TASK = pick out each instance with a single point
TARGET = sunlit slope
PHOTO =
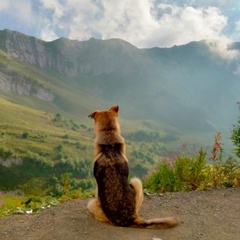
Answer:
(45, 131)
(188, 91)
(44, 90)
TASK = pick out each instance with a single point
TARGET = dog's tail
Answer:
(157, 223)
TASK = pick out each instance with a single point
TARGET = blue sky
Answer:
(144, 23)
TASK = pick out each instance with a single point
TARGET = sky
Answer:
(143, 23)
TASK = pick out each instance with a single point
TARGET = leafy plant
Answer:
(189, 173)
(25, 135)
(231, 172)
(10, 205)
(236, 137)
(217, 153)
(5, 152)
(163, 179)
(189, 170)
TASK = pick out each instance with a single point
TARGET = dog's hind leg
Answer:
(137, 186)
(94, 207)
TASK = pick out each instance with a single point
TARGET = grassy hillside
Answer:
(165, 103)
(37, 147)
(67, 98)
(45, 143)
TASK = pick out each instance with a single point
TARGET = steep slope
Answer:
(167, 96)
(188, 87)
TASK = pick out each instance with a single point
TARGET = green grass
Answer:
(193, 172)
(33, 136)
(43, 132)
(47, 148)
(48, 144)
(10, 205)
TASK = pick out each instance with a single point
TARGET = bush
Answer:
(58, 118)
(25, 135)
(189, 173)
(189, 170)
(163, 180)
(231, 172)
(236, 137)
(6, 152)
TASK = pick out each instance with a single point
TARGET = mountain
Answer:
(168, 97)
(190, 87)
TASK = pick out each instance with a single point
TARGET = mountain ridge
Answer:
(185, 86)
(167, 97)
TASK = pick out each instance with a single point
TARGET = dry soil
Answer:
(206, 215)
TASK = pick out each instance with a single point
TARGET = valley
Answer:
(168, 97)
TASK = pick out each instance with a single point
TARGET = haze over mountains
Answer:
(189, 88)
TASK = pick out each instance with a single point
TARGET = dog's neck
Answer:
(109, 139)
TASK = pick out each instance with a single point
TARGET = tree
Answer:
(235, 137)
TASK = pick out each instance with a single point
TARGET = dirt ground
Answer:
(206, 215)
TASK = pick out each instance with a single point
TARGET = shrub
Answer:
(185, 174)
(235, 137)
(58, 118)
(231, 172)
(59, 147)
(190, 170)
(163, 180)
(217, 154)
(6, 152)
(25, 135)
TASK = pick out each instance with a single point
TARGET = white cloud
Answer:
(179, 25)
(84, 16)
(144, 23)
(3, 5)
(130, 20)
(17, 14)
(47, 33)
(237, 26)
(55, 6)
(23, 12)
(222, 47)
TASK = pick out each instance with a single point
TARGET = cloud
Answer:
(143, 23)
(17, 15)
(179, 25)
(237, 27)
(165, 25)
(223, 48)
(69, 18)
(23, 12)
(3, 5)
(133, 21)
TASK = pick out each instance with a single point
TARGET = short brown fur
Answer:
(117, 200)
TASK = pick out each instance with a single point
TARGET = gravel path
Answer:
(206, 215)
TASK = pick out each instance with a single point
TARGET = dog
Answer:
(117, 200)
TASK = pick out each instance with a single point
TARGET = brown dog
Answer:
(117, 201)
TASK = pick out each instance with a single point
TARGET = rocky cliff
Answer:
(71, 58)
(188, 87)
(26, 87)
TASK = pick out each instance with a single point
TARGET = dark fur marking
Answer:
(117, 197)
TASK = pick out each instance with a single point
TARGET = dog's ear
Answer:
(114, 109)
(93, 115)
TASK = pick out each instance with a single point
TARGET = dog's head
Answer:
(105, 120)
(112, 112)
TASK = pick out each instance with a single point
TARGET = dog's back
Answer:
(117, 197)
(118, 201)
